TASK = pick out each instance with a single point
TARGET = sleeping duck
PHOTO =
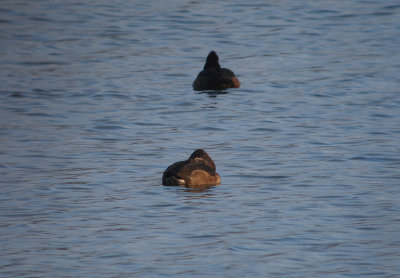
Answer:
(198, 170)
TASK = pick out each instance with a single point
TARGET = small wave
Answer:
(108, 127)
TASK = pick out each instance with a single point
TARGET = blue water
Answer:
(96, 101)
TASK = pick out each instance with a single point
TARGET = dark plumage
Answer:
(213, 77)
(198, 170)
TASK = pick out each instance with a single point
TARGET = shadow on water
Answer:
(199, 188)
(213, 93)
(206, 189)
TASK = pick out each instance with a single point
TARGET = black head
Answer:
(212, 61)
(201, 156)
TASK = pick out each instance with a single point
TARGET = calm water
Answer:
(96, 101)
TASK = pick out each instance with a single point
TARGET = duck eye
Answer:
(197, 159)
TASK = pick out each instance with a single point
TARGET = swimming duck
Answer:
(213, 77)
(198, 170)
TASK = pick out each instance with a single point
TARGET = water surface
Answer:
(96, 101)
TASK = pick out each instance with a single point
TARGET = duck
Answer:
(213, 77)
(198, 170)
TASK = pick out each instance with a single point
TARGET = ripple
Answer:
(108, 127)
(43, 63)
